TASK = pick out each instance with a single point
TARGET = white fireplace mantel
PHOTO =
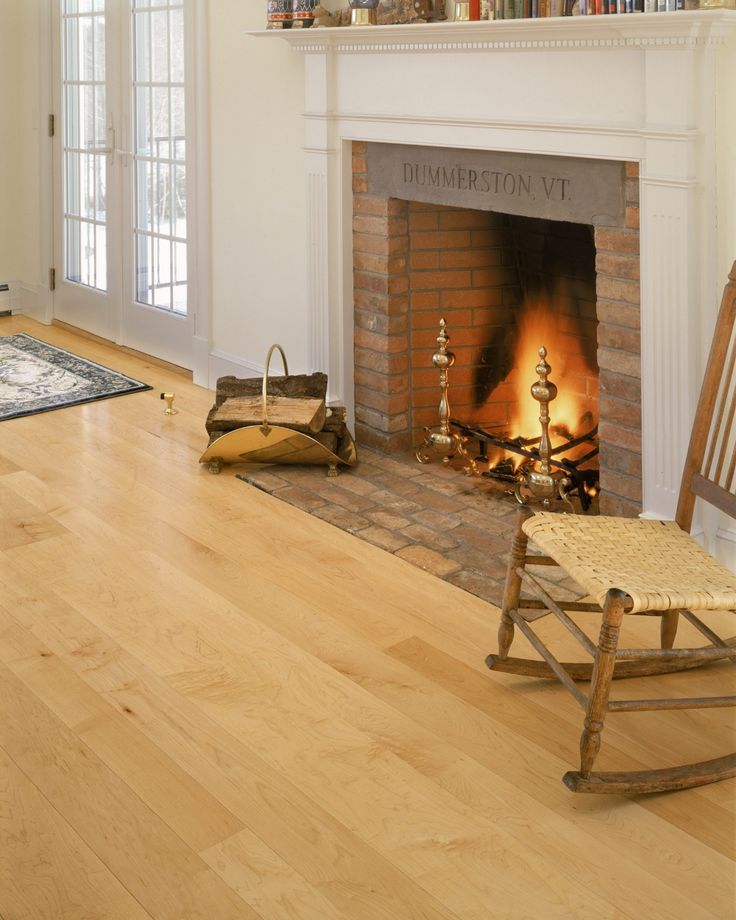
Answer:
(658, 89)
(620, 30)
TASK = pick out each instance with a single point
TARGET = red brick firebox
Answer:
(416, 262)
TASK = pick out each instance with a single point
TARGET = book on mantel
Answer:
(542, 9)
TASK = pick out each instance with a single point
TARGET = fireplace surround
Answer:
(416, 261)
(654, 90)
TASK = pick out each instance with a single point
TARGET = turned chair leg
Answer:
(668, 628)
(600, 684)
(512, 589)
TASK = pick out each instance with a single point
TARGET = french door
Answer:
(120, 225)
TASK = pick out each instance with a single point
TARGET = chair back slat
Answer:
(710, 465)
(715, 494)
(731, 472)
(722, 425)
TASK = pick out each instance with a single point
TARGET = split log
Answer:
(299, 385)
(301, 414)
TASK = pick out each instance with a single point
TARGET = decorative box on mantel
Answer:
(655, 91)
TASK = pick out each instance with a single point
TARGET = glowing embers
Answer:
(556, 463)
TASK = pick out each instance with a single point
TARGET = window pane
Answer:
(180, 278)
(87, 272)
(159, 47)
(177, 46)
(71, 48)
(180, 201)
(101, 257)
(86, 54)
(161, 199)
(87, 184)
(100, 105)
(143, 121)
(144, 270)
(178, 125)
(99, 27)
(73, 247)
(162, 278)
(142, 50)
(101, 189)
(161, 128)
(73, 204)
(71, 114)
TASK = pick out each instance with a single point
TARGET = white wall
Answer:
(10, 149)
(33, 143)
(726, 162)
(22, 222)
(258, 189)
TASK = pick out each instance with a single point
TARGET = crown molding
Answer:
(685, 28)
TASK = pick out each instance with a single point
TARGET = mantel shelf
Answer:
(686, 27)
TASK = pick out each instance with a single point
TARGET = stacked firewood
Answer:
(235, 399)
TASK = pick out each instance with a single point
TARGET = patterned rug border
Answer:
(107, 377)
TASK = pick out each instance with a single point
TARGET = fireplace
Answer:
(506, 283)
(653, 90)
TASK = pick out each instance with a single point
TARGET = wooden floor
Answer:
(215, 706)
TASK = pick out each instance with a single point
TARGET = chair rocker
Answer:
(637, 567)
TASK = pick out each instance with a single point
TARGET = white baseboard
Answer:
(35, 302)
(10, 299)
(200, 361)
(726, 546)
(222, 364)
(29, 300)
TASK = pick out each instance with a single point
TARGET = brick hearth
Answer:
(415, 262)
(432, 516)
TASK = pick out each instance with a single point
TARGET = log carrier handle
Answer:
(264, 424)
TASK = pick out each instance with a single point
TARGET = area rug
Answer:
(37, 377)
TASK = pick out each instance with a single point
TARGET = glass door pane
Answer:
(159, 154)
(84, 142)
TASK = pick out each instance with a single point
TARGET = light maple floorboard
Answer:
(214, 705)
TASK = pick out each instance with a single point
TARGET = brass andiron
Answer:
(538, 478)
(442, 440)
(169, 397)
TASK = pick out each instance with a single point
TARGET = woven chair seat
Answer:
(655, 562)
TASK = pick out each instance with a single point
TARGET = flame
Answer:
(539, 326)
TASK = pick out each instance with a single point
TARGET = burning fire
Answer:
(539, 325)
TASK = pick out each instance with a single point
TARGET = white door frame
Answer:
(198, 194)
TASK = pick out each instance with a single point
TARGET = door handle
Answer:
(113, 149)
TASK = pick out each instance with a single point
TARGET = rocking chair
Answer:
(637, 567)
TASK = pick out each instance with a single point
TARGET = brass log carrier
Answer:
(276, 428)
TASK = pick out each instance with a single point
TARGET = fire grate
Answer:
(584, 480)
